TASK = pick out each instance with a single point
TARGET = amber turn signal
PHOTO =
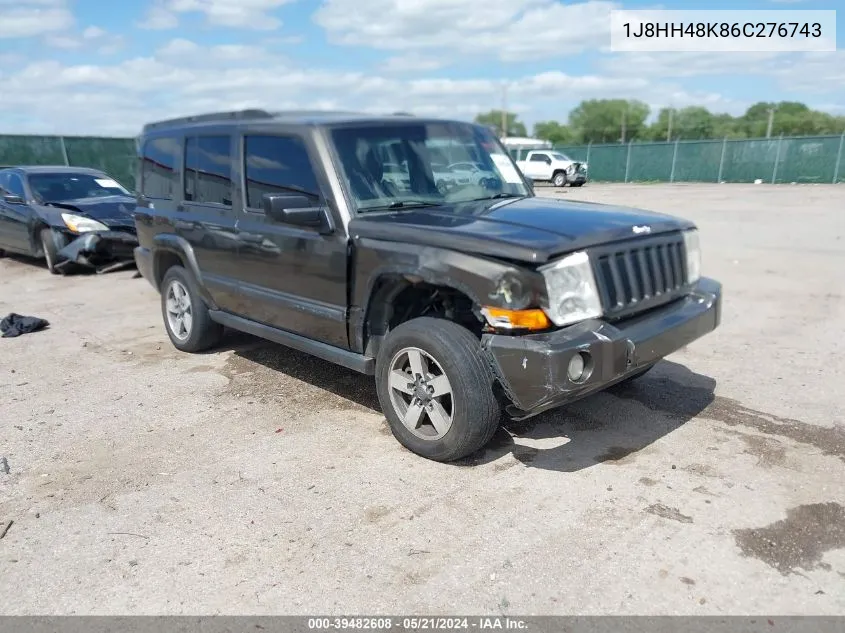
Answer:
(534, 319)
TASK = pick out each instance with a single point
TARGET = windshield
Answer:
(559, 156)
(421, 164)
(58, 187)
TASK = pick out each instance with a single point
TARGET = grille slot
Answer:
(640, 274)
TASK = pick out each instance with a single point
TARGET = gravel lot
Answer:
(256, 480)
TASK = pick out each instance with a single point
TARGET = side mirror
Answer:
(12, 199)
(292, 209)
(548, 161)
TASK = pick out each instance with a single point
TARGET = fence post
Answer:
(674, 158)
(777, 160)
(838, 159)
(628, 161)
(722, 159)
(64, 150)
(589, 146)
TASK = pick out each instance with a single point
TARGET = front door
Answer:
(291, 277)
(14, 218)
(539, 166)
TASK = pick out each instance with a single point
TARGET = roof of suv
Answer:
(298, 117)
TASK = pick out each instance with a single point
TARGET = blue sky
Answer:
(105, 68)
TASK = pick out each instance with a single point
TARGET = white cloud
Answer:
(159, 18)
(797, 74)
(506, 29)
(411, 64)
(28, 18)
(92, 38)
(686, 64)
(186, 53)
(249, 14)
(812, 73)
(184, 78)
(93, 33)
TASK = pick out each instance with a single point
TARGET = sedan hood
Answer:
(113, 211)
(532, 230)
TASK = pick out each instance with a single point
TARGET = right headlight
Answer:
(571, 289)
(82, 224)
(693, 249)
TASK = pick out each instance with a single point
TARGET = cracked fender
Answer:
(485, 280)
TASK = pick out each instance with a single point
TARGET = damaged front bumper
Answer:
(102, 250)
(534, 369)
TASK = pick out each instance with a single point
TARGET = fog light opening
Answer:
(580, 366)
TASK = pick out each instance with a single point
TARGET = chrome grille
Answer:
(637, 275)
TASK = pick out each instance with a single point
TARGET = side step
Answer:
(356, 362)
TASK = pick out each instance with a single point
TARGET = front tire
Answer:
(559, 179)
(50, 246)
(436, 389)
(186, 317)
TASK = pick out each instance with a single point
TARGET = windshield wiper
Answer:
(403, 204)
(496, 196)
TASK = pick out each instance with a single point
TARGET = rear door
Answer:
(293, 278)
(206, 216)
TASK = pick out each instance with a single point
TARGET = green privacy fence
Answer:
(116, 156)
(805, 159)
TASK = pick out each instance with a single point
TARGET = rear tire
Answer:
(440, 363)
(185, 314)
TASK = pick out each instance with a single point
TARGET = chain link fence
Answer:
(805, 159)
(116, 156)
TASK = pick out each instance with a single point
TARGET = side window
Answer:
(276, 164)
(191, 160)
(539, 158)
(158, 168)
(208, 170)
(14, 185)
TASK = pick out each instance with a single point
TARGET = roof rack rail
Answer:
(211, 116)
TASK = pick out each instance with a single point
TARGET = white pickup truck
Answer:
(552, 166)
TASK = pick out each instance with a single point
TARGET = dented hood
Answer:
(532, 229)
(113, 211)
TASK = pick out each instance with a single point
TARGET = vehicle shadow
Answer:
(612, 426)
(322, 374)
(74, 270)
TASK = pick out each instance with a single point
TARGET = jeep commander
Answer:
(327, 232)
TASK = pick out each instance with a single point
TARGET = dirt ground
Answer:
(257, 480)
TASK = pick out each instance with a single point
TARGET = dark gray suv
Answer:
(328, 233)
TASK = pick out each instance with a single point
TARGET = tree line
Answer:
(621, 120)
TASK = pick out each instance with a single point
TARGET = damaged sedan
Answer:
(68, 216)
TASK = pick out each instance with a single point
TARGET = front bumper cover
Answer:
(102, 250)
(533, 369)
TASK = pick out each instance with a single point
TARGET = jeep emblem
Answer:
(641, 229)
